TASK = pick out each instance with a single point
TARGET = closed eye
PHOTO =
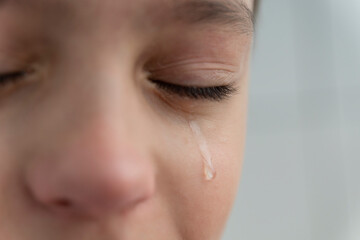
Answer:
(11, 77)
(213, 93)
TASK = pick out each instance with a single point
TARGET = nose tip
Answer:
(90, 188)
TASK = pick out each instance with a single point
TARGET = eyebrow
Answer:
(229, 13)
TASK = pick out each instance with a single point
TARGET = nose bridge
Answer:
(99, 88)
(105, 134)
(97, 93)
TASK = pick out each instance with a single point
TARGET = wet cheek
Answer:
(225, 145)
(229, 165)
(219, 195)
(212, 201)
(199, 203)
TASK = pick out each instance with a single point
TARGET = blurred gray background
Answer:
(301, 172)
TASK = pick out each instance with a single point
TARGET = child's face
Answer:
(121, 120)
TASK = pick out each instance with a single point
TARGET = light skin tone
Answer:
(96, 101)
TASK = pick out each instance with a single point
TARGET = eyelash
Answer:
(11, 77)
(215, 93)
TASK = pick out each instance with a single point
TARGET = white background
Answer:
(301, 175)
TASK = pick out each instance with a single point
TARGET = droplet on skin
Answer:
(209, 170)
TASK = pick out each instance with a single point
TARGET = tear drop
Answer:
(209, 170)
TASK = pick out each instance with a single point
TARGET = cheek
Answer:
(201, 207)
(219, 195)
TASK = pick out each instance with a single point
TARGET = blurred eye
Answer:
(213, 93)
(11, 78)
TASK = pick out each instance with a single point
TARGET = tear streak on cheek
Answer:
(209, 170)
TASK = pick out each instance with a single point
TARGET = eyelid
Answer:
(11, 75)
(14, 79)
(213, 93)
(194, 77)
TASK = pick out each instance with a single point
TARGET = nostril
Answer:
(63, 206)
(62, 203)
(66, 207)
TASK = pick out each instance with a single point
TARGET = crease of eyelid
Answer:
(221, 76)
(215, 65)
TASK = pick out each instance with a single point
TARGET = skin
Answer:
(90, 148)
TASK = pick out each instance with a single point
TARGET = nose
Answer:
(93, 176)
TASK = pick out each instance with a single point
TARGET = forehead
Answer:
(122, 3)
(137, 21)
(129, 10)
